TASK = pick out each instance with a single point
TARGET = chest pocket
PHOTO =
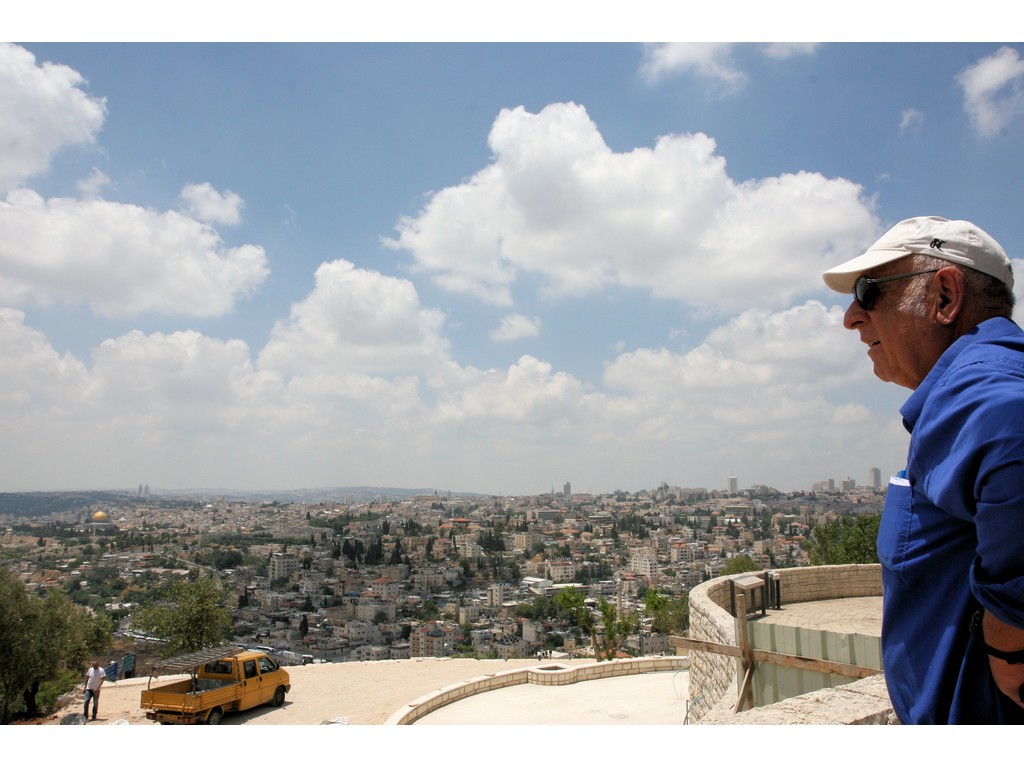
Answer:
(894, 528)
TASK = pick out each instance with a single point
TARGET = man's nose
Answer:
(855, 315)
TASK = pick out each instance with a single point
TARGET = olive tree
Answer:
(189, 615)
(738, 564)
(845, 540)
(43, 642)
(668, 614)
(607, 630)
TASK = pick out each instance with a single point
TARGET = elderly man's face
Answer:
(897, 334)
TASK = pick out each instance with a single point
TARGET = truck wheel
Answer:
(215, 717)
(278, 699)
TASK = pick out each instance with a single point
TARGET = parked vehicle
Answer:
(220, 680)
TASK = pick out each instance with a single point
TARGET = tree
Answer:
(43, 643)
(491, 541)
(845, 540)
(540, 608)
(738, 564)
(375, 553)
(396, 553)
(191, 615)
(608, 633)
(225, 559)
(669, 615)
(428, 611)
(65, 637)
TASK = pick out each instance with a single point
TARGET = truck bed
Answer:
(194, 685)
(188, 696)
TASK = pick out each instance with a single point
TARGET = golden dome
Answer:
(99, 517)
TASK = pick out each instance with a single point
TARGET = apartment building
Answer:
(433, 639)
(282, 565)
(560, 571)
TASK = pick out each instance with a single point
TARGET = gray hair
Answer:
(996, 298)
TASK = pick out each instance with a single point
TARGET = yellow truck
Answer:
(220, 680)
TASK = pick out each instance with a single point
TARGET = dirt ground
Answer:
(358, 695)
(351, 693)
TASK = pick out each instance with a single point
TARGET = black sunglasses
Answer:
(866, 289)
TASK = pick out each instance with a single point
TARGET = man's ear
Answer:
(950, 288)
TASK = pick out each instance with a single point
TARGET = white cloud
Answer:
(994, 91)
(180, 406)
(769, 390)
(515, 327)
(529, 392)
(180, 382)
(911, 120)
(356, 321)
(93, 184)
(207, 204)
(42, 110)
(33, 376)
(802, 346)
(121, 259)
(709, 60)
(559, 204)
(780, 391)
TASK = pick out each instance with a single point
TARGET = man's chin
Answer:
(882, 374)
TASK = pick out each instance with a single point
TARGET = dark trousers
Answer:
(95, 696)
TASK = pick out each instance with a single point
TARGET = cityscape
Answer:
(364, 574)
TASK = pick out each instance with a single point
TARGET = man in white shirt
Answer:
(94, 677)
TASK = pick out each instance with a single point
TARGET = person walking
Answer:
(94, 677)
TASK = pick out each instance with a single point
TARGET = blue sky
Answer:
(478, 267)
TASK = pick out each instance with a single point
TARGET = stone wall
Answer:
(713, 676)
(864, 702)
(547, 674)
(829, 582)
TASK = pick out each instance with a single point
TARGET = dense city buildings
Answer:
(364, 576)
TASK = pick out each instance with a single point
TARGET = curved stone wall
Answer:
(546, 674)
(713, 676)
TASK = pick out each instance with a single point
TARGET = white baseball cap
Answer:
(957, 241)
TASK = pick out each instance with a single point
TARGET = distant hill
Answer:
(313, 495)
(45, 503)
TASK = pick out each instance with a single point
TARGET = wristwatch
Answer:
(1010, 657)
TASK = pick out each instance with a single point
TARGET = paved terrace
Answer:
(847, 615)
(368, 693)
(654, 698)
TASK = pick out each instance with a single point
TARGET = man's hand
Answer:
(1009, 677)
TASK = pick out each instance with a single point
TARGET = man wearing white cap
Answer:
(933, 300)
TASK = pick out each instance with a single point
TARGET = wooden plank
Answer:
(771, 657)
(746, 695)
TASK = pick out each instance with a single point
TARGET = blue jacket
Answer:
(952, 531)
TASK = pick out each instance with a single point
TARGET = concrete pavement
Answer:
(848, 615)
(653, 698)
